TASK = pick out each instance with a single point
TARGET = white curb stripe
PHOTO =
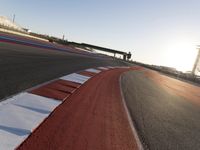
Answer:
(74, 77)
(110, 67)
(104, 68)
(93, 70)
(20, 116)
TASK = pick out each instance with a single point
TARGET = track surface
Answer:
(22, 67)
(165, 111)
(93, 118)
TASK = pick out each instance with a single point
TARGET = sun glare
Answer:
(181, 54)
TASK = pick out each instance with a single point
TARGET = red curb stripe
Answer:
(86, 73)
(60, 87)
(68, 83)
(50, 93)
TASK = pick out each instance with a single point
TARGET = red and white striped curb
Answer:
(20, 115)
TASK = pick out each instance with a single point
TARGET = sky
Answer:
(159, 32)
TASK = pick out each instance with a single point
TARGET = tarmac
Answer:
(22, 67)
(164, 111)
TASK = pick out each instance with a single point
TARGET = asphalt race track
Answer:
(23, 67)
(165, 111)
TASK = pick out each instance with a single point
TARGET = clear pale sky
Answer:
(161, 32)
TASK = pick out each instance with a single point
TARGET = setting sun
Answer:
(181, 54)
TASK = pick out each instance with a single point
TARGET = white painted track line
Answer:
(75, 77)
(20, 115)
(93, 70)
(134, 131)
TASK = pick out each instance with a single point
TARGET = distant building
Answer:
(7, 23)
(27, 30)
